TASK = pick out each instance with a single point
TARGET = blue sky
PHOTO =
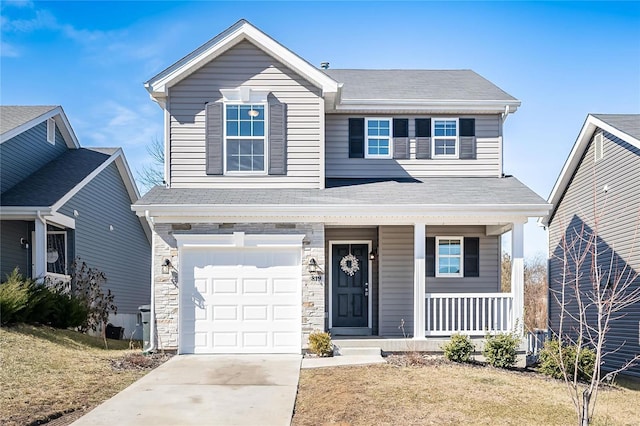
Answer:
(561, 59)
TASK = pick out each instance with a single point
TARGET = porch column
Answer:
(40, 248)
(517, 274)
(419, 251)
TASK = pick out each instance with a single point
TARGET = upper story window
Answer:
(51, 131)
(245, 140)
(449, 260)
(445, 137)
(378, 138)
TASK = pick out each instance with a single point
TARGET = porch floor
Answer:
(399, 344)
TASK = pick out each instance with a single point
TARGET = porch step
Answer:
(355, 351)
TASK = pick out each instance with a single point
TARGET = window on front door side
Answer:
(378, 138)
(445, 138)
(245, 138)
(57, 252)
(449, 256)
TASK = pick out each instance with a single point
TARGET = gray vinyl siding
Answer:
(124, 254)
(356, 234)
(244, 65)
(12, 254)
(339, 165)
(620, 171)
(396, 272)
(27, 152)
(489, 279)
(396, 279)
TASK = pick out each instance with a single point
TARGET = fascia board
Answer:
(586, 133)
(31, 212)
(62, 121)
(427, 105)
(158, 85)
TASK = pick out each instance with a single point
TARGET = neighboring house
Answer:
(59, 201)
(301, 199)
(598, 193)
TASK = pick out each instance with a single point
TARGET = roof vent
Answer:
(324, 65)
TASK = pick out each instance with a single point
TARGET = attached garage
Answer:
(240, 293)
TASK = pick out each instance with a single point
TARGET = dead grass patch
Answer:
(47, 372)
(446, 393)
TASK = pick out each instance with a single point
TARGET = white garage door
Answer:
(240, 300)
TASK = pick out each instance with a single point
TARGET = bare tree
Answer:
(153, 174)
(505, 276)
(535, 289)
(595, 288)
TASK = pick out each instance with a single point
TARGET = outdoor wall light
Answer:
(165, 266)
(314, 270)
(373, 254)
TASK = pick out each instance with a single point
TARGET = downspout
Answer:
(152, 314)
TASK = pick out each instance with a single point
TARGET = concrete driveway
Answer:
(207, 390)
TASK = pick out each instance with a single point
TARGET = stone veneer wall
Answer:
(167, 287)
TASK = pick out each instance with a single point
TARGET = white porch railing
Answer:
(468, 313)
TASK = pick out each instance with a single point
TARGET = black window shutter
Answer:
(277, 137)
(423, 127)
(430, 258)
(400, 127)
(467, 126)
(214, 137)
(472, 257)
(356, 138)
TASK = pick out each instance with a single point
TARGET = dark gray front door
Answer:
(350, 292)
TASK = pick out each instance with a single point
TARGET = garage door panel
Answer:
(249, 303)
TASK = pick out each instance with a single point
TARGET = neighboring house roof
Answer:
(55, 179)
(623, 126)
(16, 119)
(359, 196)
(241, 30)
(418, 85)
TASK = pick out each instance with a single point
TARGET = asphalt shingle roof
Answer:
(14, 116)
(55, 179)
(431, 191)
(628, 123)
(416, 85)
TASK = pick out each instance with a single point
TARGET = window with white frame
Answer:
(245, 140)
(57, 252)
(378, 138)
(51, 131)
(449, 256)
(445, 137)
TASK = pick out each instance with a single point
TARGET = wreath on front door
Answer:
(349, 265)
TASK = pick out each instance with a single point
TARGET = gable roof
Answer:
(410, 87)
(623, 126)
(16, 119)
(241, 30)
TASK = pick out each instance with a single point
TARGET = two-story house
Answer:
(60, 202)
(594, 235)
(300, 198)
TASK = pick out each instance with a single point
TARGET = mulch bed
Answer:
(140, 361)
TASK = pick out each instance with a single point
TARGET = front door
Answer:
(350, 285)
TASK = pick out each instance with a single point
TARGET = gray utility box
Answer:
(145, 315)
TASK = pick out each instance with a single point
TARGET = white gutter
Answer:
(152, 313)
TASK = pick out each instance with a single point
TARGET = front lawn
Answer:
(446, 393)
(46, 372)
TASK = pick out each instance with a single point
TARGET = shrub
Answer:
(550, 360)
(320, 343)
(86, 285)
(459, 348)
(14, 297)
(501, 350)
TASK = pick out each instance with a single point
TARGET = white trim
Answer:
(598, 151)
(242, 30)
(329, 265)
(419, 280)
(264, 138)
(51, 131)
(239, 239)
(437, 255)
(455, 138)
(61, 120)
(427, 106)
(246, 95)
(589, 127)
(322, 147)
(167, 146)
(366, 138)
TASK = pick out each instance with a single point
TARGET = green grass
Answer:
(46, 371)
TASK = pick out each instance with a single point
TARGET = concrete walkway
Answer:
(207, 390)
